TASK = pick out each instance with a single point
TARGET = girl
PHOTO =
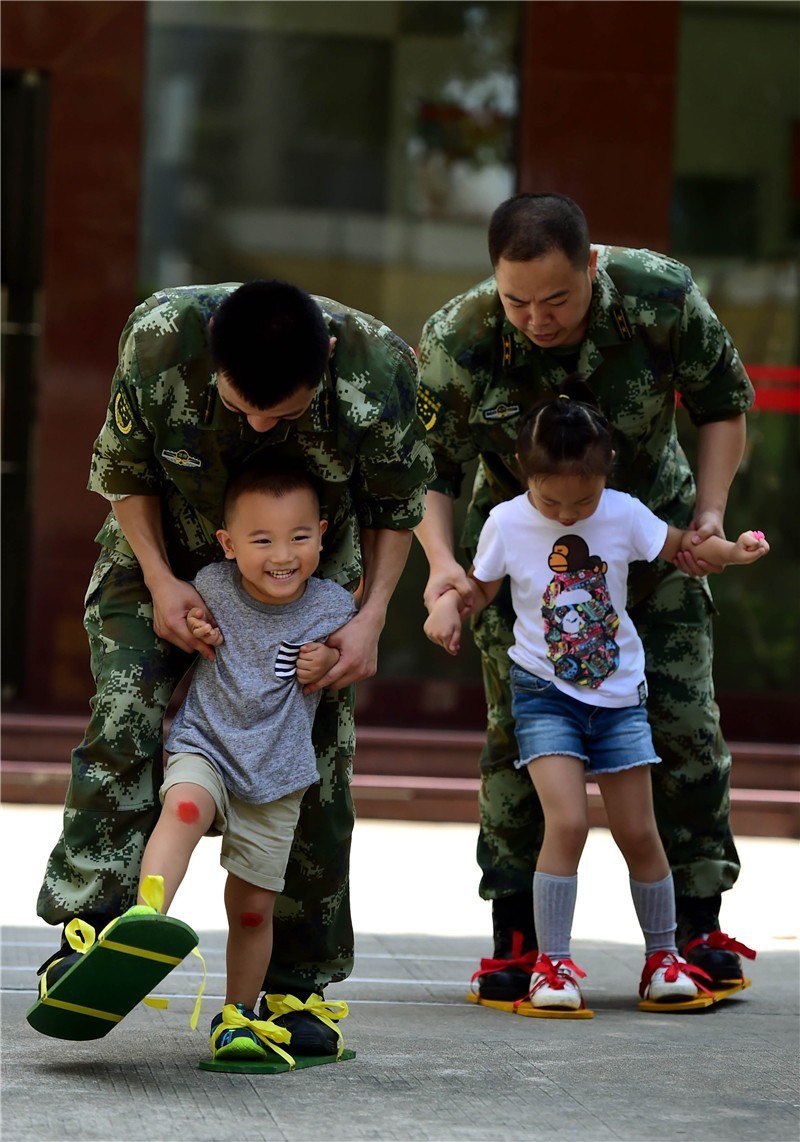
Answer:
(578, 675)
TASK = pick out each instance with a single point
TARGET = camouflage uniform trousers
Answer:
(112, 800)
(691, 785)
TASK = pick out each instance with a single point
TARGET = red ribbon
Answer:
(525, 961)
(555, 975)
(672, 969)
(722, 943)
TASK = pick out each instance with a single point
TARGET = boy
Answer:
(240, 752)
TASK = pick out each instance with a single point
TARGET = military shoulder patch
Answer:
(427, 407)
(621, 322)
(123, 417)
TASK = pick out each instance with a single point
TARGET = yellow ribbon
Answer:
(267, 1032)
(197, 1003)
(151, 891)
(325, 1010)
(80, 936)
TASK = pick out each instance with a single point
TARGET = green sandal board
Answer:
(120, 968)
(244, 1067)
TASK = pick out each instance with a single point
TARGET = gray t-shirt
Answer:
(246, 711)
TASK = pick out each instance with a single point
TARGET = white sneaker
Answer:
(667, 979)
(555, 985)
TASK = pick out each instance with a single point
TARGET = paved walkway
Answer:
(429, 1065)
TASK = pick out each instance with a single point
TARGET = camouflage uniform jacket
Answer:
(167, 433)
(651, 336)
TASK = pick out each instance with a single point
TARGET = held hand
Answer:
(202, 629)
(443, 624)
(704, 524)
(449, 578)
(357, 644)
(750, 546)
(314, 662)
(173, 600)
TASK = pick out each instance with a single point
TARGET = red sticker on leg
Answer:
(188, 812)
(251, 919)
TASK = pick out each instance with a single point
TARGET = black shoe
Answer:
(702, 944)
(58, 964)
(95, 920)
(506, 977)
(64, 951)
(230, 1041)
(310, 1036)
(501, 982)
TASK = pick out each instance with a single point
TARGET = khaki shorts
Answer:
(256, 839)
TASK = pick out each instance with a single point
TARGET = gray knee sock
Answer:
(655, 908)
(553, 909)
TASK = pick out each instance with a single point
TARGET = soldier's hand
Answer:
(357, 644)
(173, 600)
(452, 578)
(704, 525)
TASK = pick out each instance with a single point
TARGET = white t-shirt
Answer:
(569, 588)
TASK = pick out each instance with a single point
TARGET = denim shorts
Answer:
(548, 721)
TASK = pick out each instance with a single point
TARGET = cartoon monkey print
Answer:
(579, 618)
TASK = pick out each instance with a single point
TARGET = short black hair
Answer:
(529, 226)
(269, 480)
(270, 339)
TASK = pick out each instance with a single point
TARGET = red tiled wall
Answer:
(94, 53)
(597, 112)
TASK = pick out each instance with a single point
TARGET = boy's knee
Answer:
(252, 919)
(190, 805)
(187, 811)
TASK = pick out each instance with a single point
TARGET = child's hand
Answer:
(201, 628)
(443, 624)
(314, 661)
(750, 546)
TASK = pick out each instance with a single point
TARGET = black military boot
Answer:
(66, 957)
(506, 976)
(310, 1036)
(701, 943)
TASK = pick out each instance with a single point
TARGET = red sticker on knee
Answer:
(251, 919)
(188, 812)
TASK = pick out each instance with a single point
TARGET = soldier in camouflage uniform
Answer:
(635, 325)
(207, 382)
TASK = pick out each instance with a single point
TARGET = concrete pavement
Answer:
(429, 1065)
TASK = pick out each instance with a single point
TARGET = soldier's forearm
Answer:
(384, 553)
(435, 530)
(720, 447)
(140, 520)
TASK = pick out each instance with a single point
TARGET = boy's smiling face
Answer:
(276, 541)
